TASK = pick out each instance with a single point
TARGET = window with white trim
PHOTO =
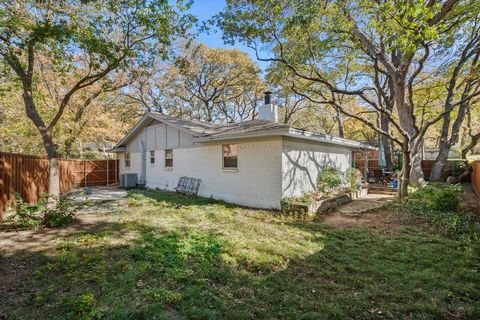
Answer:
(152, 157)
(230, 156)
(168, 158)
(127, 160)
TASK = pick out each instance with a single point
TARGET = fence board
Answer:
(449, 170)
(28, 176)
(476, 177)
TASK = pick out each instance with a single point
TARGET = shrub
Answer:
(297, 207)
(61, 215)
(436, 197)
(41, 214)
(287, 203)
(24, 214)
(354, 177)
(328, 180)
(438, 204)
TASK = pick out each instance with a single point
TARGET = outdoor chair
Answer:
(188, 186)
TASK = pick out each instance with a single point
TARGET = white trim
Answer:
(171, 124)
(285, 131)
(293, 133)
(273, 132)
(142, 123)
(308, 135)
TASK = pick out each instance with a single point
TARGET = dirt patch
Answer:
(386, 221)
(13, 240)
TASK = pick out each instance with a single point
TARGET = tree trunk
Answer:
(407, 122)
(341, 132)
(440, 163)
(416, 173)
(404, 180)
(53, 180)
(446, 143)
(50, 147)
(385, 126)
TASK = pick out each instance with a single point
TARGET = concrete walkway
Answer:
(104, 199)
(364, 204)
(100, 193)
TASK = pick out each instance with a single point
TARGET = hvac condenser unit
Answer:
(129, 180)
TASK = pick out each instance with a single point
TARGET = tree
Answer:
(152, 89)
(217, 84)
(393, 39)
(464, 80)
(86, 39)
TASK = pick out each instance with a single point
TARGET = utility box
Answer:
(129, 180)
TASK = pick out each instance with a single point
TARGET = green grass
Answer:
(193, 258)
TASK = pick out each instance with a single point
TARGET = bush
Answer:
(436, 197)
(61, 215)
(287, 203)
(354, 177)
(328, 180)
(438, 204)
(41, 214)
(24, 214)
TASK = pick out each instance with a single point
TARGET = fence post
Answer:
(85, 172)
(108, 172)
(365, 173)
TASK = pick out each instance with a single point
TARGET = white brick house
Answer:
(254, 163)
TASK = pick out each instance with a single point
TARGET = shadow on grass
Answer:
(174, 199)
(186, 275)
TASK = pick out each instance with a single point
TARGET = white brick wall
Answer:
(268, 169)
(135, 163)
(257, 183)
(302, 161)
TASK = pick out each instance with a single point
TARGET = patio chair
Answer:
(188, 186)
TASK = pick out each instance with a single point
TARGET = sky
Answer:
(206, 9)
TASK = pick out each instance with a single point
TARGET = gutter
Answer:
(116, 150)
(254, 134)
(307, 135)
(292, 133)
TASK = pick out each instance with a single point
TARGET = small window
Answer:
(230, 160)
(152, 157)
(169, 158)
(127, 160)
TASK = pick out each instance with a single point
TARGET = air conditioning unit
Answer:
(129, 180)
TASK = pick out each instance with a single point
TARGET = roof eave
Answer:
(307, 135)
(140, 125)
(293, 133)
(132, 132)
(117, 150)
(259, 134)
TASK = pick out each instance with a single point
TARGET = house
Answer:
(254, 163)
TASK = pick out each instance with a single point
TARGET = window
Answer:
(168, 158)
(152, 157)
(230, 160)
(127, 160)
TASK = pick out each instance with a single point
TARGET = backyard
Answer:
(167, 256)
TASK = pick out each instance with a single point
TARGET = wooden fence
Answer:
(451, 169)
(476, 177)
(28, 176)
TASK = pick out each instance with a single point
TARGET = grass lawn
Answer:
(170, 257)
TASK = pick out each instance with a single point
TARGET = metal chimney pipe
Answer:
(268, 97)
